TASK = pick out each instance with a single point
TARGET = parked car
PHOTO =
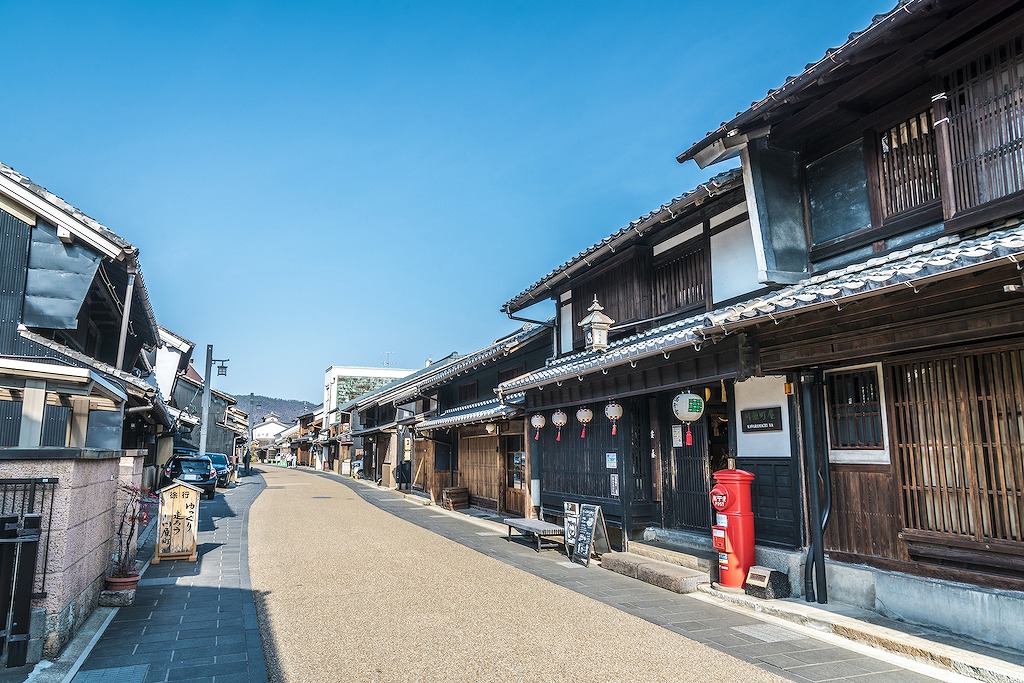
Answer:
(223, 467)
(192, 469)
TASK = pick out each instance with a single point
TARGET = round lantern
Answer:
(559, 419)
(613, 411)
(584, 415)
(688, 407)
(537, 422)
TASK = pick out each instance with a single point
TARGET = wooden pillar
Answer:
(32, 408)
(79, 421)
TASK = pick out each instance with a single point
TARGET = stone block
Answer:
(37, 624)
(35, 651)
(116, 598)
(671, 577)
(626, 564)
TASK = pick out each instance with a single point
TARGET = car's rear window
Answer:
(218, 458)
(194, 466)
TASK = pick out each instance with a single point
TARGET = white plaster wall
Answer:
(733, 263)
(167, 359)
(763, 392)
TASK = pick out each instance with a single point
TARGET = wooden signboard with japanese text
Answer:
(177, 523)
(570, 522)
(591, 535)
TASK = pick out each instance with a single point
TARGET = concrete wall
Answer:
(81, 534)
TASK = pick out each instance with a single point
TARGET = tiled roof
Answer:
(135, 385)
(905, 268)
(716, 185)
(500, 348)
(483, 411)
(834, 58)
(66, 207)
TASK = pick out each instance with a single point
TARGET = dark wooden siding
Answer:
(864, 520)
(775, 497)
(480, 467)
(679, 283)
(573, 469)
(621, 290)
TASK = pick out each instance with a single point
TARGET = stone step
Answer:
(662, 574)
(698, 559)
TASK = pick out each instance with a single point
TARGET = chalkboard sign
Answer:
(762, 419)
(591, 536)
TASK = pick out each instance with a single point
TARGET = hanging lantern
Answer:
(688, 407)
(559, 419)
(613, 411)
(584, 415)
(537, 422)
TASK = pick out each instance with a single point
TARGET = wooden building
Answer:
(475, 440)
(892, 173)
(657, 278)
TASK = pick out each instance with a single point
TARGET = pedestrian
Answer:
(247, 459)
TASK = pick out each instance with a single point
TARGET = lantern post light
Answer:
(595, 327)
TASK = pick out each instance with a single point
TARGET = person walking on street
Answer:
(247, 458)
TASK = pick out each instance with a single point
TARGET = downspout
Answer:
(126, 312)
(545, 323)
(814, 566)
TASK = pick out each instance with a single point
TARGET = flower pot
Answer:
(121, 583)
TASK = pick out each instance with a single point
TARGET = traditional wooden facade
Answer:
(476, 440)
(892, 173)
(657, 278)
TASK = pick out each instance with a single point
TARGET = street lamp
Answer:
(222, 369)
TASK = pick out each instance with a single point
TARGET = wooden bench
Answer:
(538, 527)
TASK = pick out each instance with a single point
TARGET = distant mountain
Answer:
(287, 409)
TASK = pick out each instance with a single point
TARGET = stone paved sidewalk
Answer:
(191, 621)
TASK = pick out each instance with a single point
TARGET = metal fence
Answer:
(26, 514)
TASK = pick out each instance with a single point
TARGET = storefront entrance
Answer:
(686, 469)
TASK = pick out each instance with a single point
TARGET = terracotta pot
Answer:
(126, 583)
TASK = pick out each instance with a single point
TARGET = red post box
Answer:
(733, 532)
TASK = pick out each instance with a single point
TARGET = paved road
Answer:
(357, 584)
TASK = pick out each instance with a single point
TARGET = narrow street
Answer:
(348, 590)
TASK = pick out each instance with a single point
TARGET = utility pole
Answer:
(222, 369)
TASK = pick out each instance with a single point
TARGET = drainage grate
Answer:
(116, 674)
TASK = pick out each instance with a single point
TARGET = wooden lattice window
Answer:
(985, 100)
(511, 373)
(908, 165)
(679, 283)
(854, 410)
(958, 436)
(467, 392)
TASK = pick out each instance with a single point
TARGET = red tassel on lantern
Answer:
(689, 436)
(614, 426)
(558, 436)
(537, 436)
(583, 434)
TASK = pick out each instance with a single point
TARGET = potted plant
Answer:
(124, 574)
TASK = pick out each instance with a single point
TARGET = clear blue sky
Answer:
(317, 183)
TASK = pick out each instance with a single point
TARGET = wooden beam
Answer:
(33, 406)
(898, 65)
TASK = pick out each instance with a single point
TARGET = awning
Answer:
(484, 411)
(136, 386)
(60, 380)
(931, 261)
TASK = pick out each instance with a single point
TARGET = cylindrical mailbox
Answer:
(733, 531)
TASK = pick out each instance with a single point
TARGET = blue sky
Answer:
(321, 183)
